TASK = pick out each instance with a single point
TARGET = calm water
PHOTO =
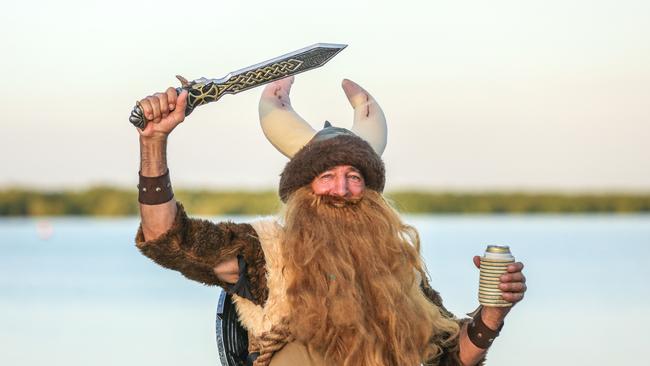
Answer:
(85, 296)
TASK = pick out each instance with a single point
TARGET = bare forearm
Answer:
(156, 219)
(153, 156)
(470, 354)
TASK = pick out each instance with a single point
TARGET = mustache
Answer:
(336, 201)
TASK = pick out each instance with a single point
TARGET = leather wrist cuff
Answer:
(155, 190)
(480, 334)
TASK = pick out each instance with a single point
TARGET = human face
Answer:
(342, 181)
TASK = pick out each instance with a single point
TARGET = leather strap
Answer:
(479, 333)
(243, 286)
(155, 190)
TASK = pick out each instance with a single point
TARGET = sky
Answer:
(499, 95)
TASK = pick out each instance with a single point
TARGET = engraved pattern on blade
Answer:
(264, 75)
(205, 92)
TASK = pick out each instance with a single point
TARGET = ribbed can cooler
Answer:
(493, 264)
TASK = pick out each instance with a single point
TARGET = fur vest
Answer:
(259, 319)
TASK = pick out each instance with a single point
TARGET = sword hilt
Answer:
(198, 95)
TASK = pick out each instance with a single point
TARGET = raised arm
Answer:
(164, 111)
(224, 254)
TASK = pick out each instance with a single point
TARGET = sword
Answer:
(202, 91)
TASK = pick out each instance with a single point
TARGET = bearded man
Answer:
(337, 278)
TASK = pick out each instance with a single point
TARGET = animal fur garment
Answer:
(194, 247)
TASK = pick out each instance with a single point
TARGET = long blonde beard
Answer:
(352, 286)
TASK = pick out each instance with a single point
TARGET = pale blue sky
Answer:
(534, 95)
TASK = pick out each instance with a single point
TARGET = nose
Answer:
(340, 187)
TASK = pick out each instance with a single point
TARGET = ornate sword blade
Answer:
(280, 67)
(203, 91)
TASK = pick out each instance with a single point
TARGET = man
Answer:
(337, 279)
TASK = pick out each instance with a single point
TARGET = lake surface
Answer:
(85, 296)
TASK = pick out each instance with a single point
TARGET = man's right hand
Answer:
(163, 112)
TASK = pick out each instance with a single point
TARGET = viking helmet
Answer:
(311, 152)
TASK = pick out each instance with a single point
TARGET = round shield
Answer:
(232, 338)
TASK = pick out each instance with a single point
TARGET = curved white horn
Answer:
(369, 120)
(282, 126)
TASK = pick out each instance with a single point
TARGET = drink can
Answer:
(494, 263)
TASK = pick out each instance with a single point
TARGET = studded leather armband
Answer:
(479, 333)
(155, 190)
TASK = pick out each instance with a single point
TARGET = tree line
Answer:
(110, 201)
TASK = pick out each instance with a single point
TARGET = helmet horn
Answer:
(282, 126)
(369, 120)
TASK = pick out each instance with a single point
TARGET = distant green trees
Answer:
(229, 203)
(110, 201)
(99, 201)
(421, 202)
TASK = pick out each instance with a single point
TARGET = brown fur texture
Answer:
(194, 247)
(322, 154)
(353, 276)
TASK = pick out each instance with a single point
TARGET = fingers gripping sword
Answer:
(202, 91)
